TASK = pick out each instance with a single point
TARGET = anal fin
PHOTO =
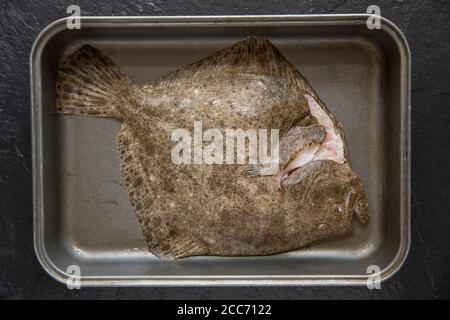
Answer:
(134, 175)
(165, 238)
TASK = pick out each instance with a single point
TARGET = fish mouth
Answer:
(359, 207)
(360, 210)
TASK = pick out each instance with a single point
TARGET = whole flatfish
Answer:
(226, 209)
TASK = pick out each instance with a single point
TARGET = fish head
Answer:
(328, 196)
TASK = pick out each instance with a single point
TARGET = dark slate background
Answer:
(426, 25)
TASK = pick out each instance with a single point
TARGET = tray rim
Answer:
(223, 20)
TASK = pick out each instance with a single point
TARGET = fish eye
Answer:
(338, 209)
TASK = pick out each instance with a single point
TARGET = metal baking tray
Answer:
(82, 216)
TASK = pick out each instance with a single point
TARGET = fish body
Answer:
(222, 209)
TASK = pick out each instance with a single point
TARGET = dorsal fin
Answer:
(250, 50)
(253, 54)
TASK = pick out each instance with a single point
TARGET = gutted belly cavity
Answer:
(331, 148)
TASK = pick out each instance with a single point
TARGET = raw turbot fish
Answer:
(224, 209)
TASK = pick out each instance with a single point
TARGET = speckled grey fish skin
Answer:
(200, 209)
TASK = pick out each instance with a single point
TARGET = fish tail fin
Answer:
(90, 84)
